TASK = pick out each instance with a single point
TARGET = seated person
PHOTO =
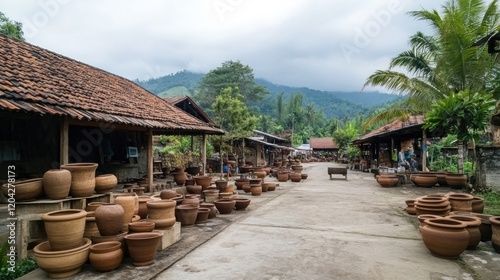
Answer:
(227, 169)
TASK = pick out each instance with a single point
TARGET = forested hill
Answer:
(333, 104)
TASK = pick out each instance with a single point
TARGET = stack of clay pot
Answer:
(432, 204)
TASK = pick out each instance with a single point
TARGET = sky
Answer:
(331, 45)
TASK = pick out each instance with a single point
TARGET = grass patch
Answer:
(491, 202)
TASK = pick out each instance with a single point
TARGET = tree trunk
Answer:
(495, 134)
(460, 145)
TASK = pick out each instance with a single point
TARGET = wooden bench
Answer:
(337, 170)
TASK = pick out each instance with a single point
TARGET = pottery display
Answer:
(25, 190)
(460, 202)
(109, 218)
(82, 178)
(186, 214)
(106, 256)
(128, 202)
(142, 247)
(141, 226)
(225, 206)
(456, 180)
(241, 203)
(202, 215)
(62, 263)
(445, 238)
(64, 228)
(210, 206)
(56, 183)
(256, 189)
(387, 180)
(194, 189)
(162, 213)
(495, 229)
(203, 181)
(472, 227)
(105, 183)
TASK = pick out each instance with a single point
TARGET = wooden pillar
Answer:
(204, 154)
(424, 151)
(149, 135)
(64, 141)
(392, 153)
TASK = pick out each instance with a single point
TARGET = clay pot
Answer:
(441, 177)
(202, 215)
(230, 188)
(62, 263)
(472, 227)
(246, 188)
(194, 201)
(90, 225)
(460, 202)
(56, 183)
(92, 206)
(82, 178)
(162, 213)
(97, 238)
(485, 228)
(105, 183)
(179, 178)
(210, 206)
(143, 208)
(255, 181)
(65, 228)
(261, 174)
(425, 180)
(295, 177)
(410, 207)
(445, 238)
(456, 180)
(168, 194)
(211, 195)
(282, 176)
(25, 190)
(178, 199)
(142, 247)
(128, 202)
(240, 182)
(194, 189)
(387, 180)
(225, 206)
(141, 226)
(303, 176)
(221, 185)
(241, 203)
(495, 237)
(109, 219)
(297, 168)
(477, 205)
(190, 181)
(203, 181)
(186, 214)
(226, 195)
(256, 190)
(265, 187)
(423, 217)
(271, 187)
(106, 256)
(433, 205)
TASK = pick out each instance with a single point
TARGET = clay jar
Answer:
(109, 218)
(495, 237)
(282, 176)
(225, 206)
(65, 228)
(202, 215)
(57, 183)
(445, 238)
(142, 247)
(106, 256)
(472, 227)
(256, 189)
(210, 206)
(460, 202)
(179, 178)
(128, 202)
(143, 208)
(162, 213)
(105, 183)
(82, 178)
(186, 214)
(295, 177)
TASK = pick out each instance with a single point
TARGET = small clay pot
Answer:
(106, 256)
(142, 247)
(105, 183)
(256, 189)
(141, 226)
(202, 215)
(186, 214)
(168, 194)
(241, 203)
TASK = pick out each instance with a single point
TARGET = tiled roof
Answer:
(194, 110)
(269, 135)
(40, 81)
(412, 121)
(323, 143)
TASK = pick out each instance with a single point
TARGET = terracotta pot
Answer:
(261, 174)
(265, 187)
(441, 177)
(226, 195)
(425, 180)
(128, 202)
(57, 183)
(203, 181)
(62, 263)
(186, 214)
(178, 199)
(202, 215)
(106, 256)
(92, 206)
(168, 194)
(433, 205)
(162, 213)
(225, 206)
(460, 202)
(282, 176)
(82, 178)
(143, 208)
(105, 183)
(90, 225)
(141, 226)
(241, 203)
(65, 228)
(295, 177)
(194, 189)
(495, 237)
(456, 181)
(485, 228)
(256, 190)
(255, 181)
(445, 238)
(303, 176)
(195, 201)
(240, 182)
(142, 247)
(472, 227)
(25, 190)
(423, 217)
(210, 206)
(387, 181)
(109, 218)
(211, 195)
(297, 167)
(97, 238)
(230, 188)
(221, 185)
(477, 205)
(179, 178)
(247, 188)
(410, 207)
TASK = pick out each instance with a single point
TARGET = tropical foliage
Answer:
(9, 28)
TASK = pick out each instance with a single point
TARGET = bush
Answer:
(22, 266)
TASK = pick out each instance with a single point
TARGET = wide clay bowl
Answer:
(61, 264)
(142, 247)
(241, 203)
(106, 256)
(141, 226)
(225, 206)
(24, 190)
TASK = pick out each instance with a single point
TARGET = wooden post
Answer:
(424, 151)
(203, 154)
(64, 141)
(392, 152)
(149, 135)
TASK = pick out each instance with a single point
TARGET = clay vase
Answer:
(202, 215)
(241, 203)
(210, 206)
(25, 190)
(456, 180)
(65, 228)
(410, 207)
(211, 195)
(256, 190)
(109, 218)
(495, 237)
(142, 247)
(240, 182)
(461, 202)
(162, 213)
(203, 181)
(295, 177)
(90, 225)
(62, 263)
(179, 178)
(425, 180)
(225, 206)
(472, 227)
(141, 226)
(143, 208)
(194, 189)
(477, 205)
(445, 238)
(82, 178)
(105, 183)
(221, 185)
(128, 202)
(106, 256)
(186, 214)
(56, 183)
(387, 180)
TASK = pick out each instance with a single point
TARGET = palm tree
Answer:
(438, 64)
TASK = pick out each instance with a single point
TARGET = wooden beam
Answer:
(149, 135)
(64, 141)
(203, 154)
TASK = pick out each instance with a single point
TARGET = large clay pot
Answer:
(128, 202)
(221, 185)
(210, 206)
(456, 180)
(495, 237)
(25, 190)
(225, 206)
(241, 203)
(282, 176)
(202, 215)
(168, 194)
(460, 202)
(57, 183)
(179, 178)
(143, 208)
(240, 182)
(472, 227)
(387, 180)
(445, 238)
(186, 214)
(142, 247)
(194, 189)
(106, 256)
(203, 181)
(256, 189)
(105, 183)
(90, 225)
(425, 180)
(297, 168)
(62, 263)
(295, 177)
(82, 178)
(247, 188)
(162, 213)
(109, 218)
(65, 228)
(477, 205)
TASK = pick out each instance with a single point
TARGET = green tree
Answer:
(344, 136)
(9, 28)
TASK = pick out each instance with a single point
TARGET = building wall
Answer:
(488, 167)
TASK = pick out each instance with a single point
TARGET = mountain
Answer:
(333, 103)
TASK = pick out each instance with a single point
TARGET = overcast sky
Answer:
(320, 44)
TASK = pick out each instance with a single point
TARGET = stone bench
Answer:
(337, 170)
